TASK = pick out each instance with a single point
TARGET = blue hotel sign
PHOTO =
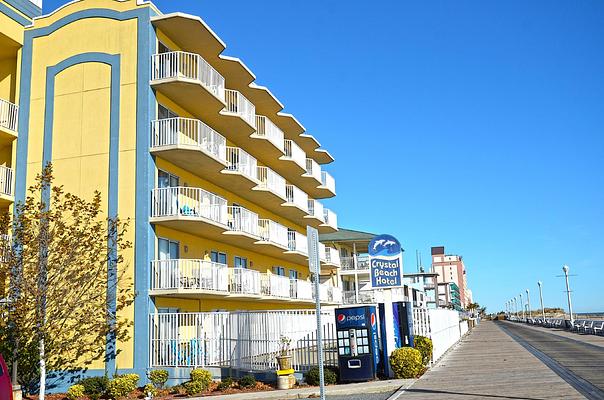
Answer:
(385, 260)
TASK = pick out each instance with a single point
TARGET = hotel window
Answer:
(240, 262)
(166, 179)
(293, 274)
(164, 112)
(167, 249)
(279, 271)
(218, 257)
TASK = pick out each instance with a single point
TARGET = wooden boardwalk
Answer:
(489, 364)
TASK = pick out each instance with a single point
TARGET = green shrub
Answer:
(424, 345)
(194, 387)
(122, 385)
(406, 362)
(75, 392)
(247, 381)
(225, 383)
(150, 388)
(201, 375)
(312, 376)
(95, 386)
(159, 377)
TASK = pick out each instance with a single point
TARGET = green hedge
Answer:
(424, 345)
(406, 362)
(159, 377)
(329, 374)
(75, 392)
(122, 385)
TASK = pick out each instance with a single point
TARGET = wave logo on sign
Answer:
(384, 245)
(385, 262)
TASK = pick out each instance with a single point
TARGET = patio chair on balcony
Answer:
(188, 211)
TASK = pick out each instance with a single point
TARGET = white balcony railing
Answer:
(275, 285)
(238, 104)
(365, 297)
(9, 115)
(332, 256)
(296, 197)
(238, 160)
(266, 129)
(189, 132)
(315, 209)
(330, 218)
(322, 255)
(313, 169)
(294, 153)
(328, 182)
(188, 274)
(179, 64)
(270, 180)
(244, 281)
(297, 242)
(6, 180)
(189, 202)
(301, 290)
(271, 231)
(243, 220)
(360, 263)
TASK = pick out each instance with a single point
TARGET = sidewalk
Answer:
(585, 338)
(311, 392)
(489, 364)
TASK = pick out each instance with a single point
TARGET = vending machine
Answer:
(358, 348)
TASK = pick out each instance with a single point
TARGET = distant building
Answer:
(449, 296)
(426, 282)
(451, 268)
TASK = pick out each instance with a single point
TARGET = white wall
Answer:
(444, 330)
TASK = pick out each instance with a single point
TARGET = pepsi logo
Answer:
(372, 319)
(341, 318)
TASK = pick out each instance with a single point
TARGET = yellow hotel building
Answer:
(218, 183)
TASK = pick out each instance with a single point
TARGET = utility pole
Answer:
(528, 300)
(539, 283)
(570, 304)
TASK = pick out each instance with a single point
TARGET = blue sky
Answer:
(469, 124)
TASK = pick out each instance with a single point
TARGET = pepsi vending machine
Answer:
(358, 349)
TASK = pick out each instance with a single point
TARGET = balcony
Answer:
(275, 286)
(330, 294)
(189, 277)
(295, 156)
(330, 219)
(240, 175)
(328, 185)
(332, 257)
(191, 210)
(301, 290)
(297, 246)
(242, 223)
(6, 186)
(244, 281)
(191, 145)
(296, 206)
(313, 170)
(315, 215)
(188, 80)
(310, 180)
(358, 264)
(268, 138)
(9, 117)
(364, 297)
(271, 191)
(238, 118)
(273, 238)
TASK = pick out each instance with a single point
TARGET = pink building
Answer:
(450, 268)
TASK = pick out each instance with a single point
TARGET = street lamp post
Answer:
(528, 301)
(516, 306)
(570, 304)
(522, 305)
(540, 284)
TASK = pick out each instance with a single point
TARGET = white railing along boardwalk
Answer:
(238, 104)
(244, 281)
(242, 220)
(296, 197)
(266, 129)
(6, 180)
(315, 209)
(270, 180)
(243, 340)
(328, 182)
(180, 64)
(239, 160)
(189, 132)
(189, 202)
(9, 115)
(271, 231)
(275, 286)
(297, 242)
(294, 153)
(330, 218)
(313, 169)
(188, 274)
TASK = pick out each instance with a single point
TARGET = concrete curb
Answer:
(304, 393)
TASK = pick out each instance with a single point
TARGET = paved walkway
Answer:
(489, 364)
(586, 338)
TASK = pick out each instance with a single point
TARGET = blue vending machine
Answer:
(358, 349)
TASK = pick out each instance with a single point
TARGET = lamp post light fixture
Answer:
(516, 305)
(528, 305)
(540, 284)
(570, 304)
(522, 305)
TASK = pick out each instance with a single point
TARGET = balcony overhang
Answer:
(322, 156)
(262, 148)
(297, 256)
(267, 198)
(197, 226)
(271, 249)
(293, 212)
(326, 228)
(6, 200)
(190, 293)
(192, 95)
(237, 182)
(191, 158)
(7, 136)
(309, 144)
(313, 220)
(324, 192)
